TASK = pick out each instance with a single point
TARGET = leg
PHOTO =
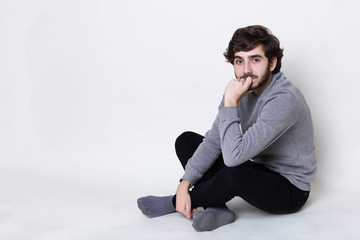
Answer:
(153, 206)
(186, 145)
(256, 184)
(253, 182)
(213, 217)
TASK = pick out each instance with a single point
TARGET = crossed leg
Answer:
(256, 184)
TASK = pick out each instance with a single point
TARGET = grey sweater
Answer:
(273, 128)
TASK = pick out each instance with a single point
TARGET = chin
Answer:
(254, 86)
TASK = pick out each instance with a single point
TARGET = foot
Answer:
(212, 218)
(153, 206)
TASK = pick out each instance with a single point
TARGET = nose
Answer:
(247, 68)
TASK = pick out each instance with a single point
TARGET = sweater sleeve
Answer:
(205, 155)
(276, 116)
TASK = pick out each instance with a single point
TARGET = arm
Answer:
(210, 149)
(277, 115)
(203, 158)
(205, 155)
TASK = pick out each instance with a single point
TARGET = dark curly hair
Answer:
(248, 38)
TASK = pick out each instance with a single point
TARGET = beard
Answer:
(263, 80)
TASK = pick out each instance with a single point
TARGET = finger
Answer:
(248, 81)
(193, 211)
(183, 211)
(188, 212)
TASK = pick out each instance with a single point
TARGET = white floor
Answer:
(45, 207)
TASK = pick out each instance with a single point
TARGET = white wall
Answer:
(95, 92)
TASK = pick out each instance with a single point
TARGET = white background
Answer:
(94, 93)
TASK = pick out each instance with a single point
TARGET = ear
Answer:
(273, 63)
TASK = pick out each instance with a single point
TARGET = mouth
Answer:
(248, 75)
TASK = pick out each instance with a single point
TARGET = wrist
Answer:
(230, 103)
(184, 185)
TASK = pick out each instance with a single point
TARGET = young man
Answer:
(260, 146)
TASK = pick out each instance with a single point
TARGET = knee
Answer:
(183, 138)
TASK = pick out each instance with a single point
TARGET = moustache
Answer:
(248, 75)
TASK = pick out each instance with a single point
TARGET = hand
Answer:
(235, 90)
(183, 201)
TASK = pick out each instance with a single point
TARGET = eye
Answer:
(238, 61)
(255, 60)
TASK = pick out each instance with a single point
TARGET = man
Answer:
(260, 146)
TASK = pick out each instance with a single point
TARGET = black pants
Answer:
(253, 182)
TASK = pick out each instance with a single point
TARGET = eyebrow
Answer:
(251, 56)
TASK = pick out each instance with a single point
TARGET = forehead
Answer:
(259, 50)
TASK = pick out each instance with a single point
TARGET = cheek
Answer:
(263, 69)
(237, 72)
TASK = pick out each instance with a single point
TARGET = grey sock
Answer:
(212, 218)
(153, 206)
